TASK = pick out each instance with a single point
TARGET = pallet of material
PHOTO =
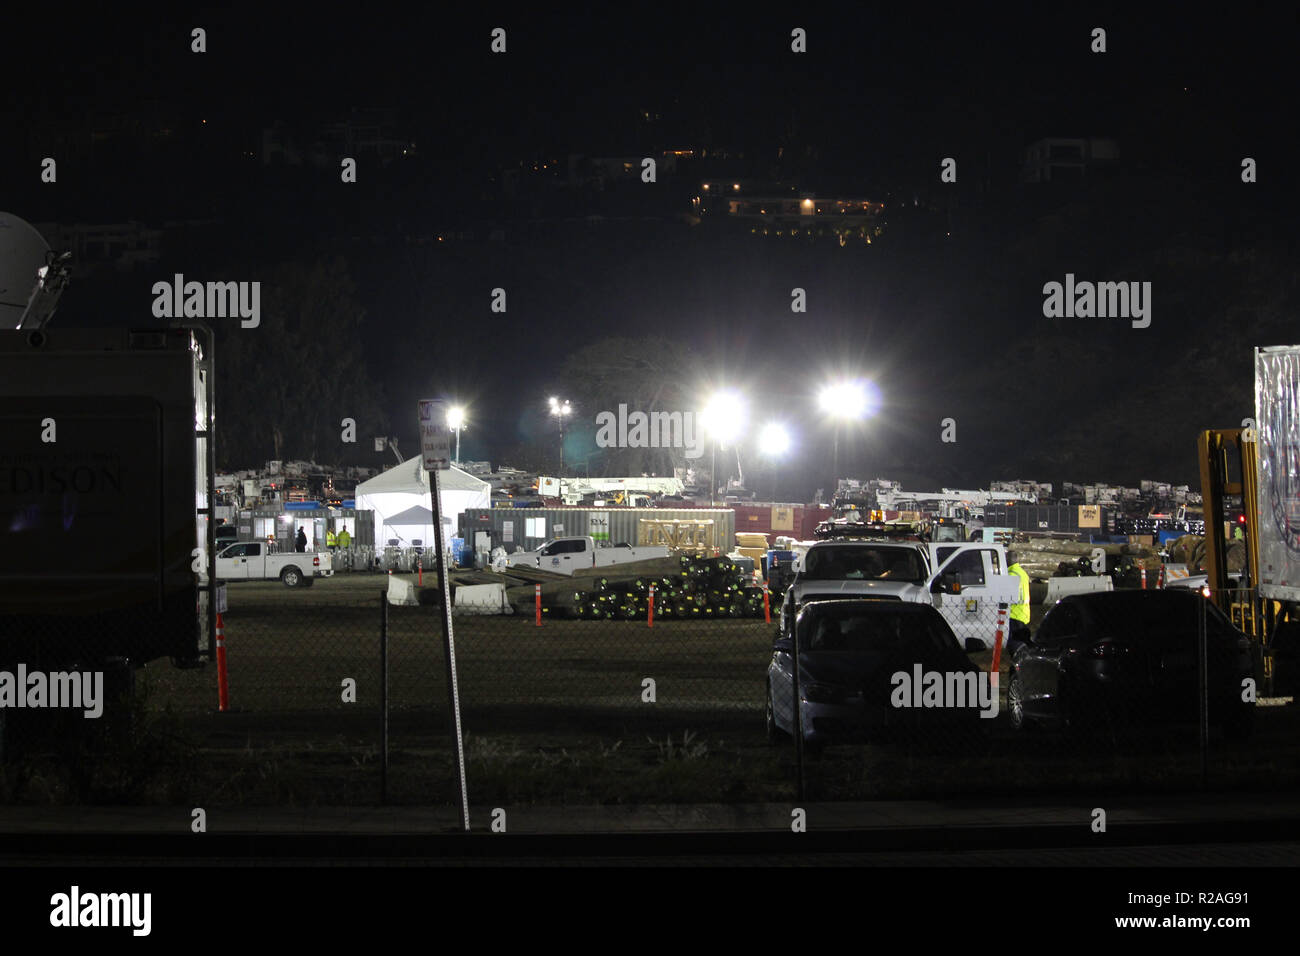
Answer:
(475, 577)
(651, 567)
(531, 575)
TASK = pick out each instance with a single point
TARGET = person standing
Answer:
(331, 539)
(345, 539)
(1019, 631)
(301, 541)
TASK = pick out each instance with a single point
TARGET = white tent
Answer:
(400, 500)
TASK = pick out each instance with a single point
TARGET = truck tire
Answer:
(291, 577)
(1016, 704)
(774, 733)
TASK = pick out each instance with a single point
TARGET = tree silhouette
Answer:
(647, 374)
(284, 387)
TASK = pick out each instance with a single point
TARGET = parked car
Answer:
(1131, 656)
(849, 652)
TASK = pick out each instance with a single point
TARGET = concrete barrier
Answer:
(481, 599)
(1058, 588)
(402, 591)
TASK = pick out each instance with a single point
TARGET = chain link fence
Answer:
(338, 697)
(364, 557)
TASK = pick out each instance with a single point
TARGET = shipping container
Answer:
(523, 529)
(797, 521)
(280, 525)
(1047, 519)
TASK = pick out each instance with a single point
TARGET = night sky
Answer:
(943, 312)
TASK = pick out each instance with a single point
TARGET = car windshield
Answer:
(864, 563)
(855, 631)
(1152, 615)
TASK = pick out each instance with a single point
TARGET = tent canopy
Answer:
(403, 511)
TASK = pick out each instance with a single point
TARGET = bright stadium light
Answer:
(774, 440)
(456, 422)
(846, 399)
(560, 409)
(723, 417)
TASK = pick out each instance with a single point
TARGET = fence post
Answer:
(383, 696)
(1203, 691)
(223, 686)
(798, 713)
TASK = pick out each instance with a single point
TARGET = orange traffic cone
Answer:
(223, 689)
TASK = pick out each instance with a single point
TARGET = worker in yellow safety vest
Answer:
(1019, 632)
(345, 539)
(331, 539)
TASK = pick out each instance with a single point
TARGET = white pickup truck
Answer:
(566, 555)
(249, 560)
(965, 582)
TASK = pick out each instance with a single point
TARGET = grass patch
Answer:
(136, 753)
(687, 769)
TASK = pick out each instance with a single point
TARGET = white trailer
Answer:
(632, 490)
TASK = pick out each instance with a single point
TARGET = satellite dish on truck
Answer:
(31, 277)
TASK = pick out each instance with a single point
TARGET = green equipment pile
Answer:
(686, 587)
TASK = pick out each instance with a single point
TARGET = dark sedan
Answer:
(864, 671)
(1131, 657)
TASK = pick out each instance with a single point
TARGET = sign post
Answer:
(435, 448)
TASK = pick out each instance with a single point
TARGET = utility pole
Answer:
(713, 477)
(561, 409)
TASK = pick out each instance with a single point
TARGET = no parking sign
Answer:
(435, 435)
